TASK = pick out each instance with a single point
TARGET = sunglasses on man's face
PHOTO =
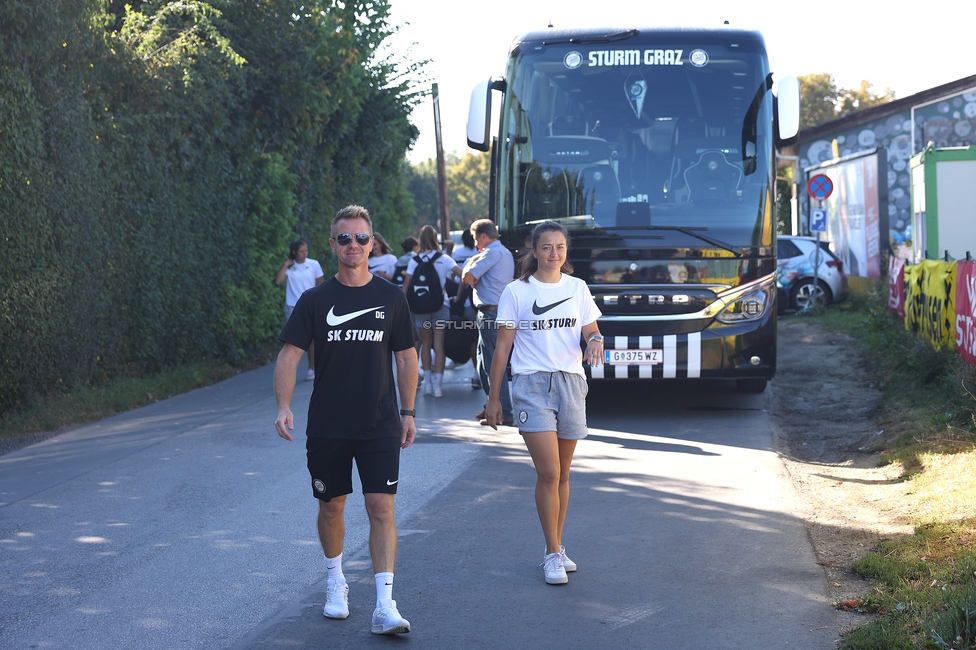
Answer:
(344, 239)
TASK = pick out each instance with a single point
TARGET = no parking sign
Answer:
(820, 186)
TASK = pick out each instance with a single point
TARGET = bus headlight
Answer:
(749, 306)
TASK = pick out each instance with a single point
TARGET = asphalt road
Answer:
(190, 524)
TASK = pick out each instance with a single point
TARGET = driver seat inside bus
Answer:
(708, 170)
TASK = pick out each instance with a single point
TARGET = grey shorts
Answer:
(427, 321)
(550, 401)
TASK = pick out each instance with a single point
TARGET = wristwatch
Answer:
(411, 412)
(596, 337)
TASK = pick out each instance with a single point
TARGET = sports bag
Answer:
(425, 295)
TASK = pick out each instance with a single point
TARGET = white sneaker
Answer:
(568, 564)
(310, 375)
(387, 620)
(336, 600)
(428, 385)
(554, 570)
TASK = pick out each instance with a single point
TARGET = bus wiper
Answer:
(609, 38)
(705, 238)
(687, 231)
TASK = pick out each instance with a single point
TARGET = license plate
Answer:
(629, 357)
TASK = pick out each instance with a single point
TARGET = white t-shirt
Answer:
(301, 278)
(462, 253)
(548, 319)
(385, 263)
(443, 264)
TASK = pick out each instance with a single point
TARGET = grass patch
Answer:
(924, 586)
(88, 403)
(924, 590)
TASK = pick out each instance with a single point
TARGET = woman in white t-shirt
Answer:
(302, 273)
(430, 327)
(541, 318)
(382, 261)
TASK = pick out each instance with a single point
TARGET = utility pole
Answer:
(444, 217)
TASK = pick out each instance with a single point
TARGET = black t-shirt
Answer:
(355, 331)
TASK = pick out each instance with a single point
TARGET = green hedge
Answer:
(155, 161)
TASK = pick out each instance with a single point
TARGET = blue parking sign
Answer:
(818, 220)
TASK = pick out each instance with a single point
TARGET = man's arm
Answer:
(284, 385)
(406, 362)
(499, 364)
(467, 277)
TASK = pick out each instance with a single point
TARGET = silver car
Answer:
(795, 276)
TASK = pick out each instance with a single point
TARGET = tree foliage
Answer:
(156, 158)
(467, 189)
(822, 100)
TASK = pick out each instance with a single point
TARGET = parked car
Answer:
(795, 281)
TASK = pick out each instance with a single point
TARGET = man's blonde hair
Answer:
(351, 212)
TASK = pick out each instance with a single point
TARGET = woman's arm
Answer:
(593, 355)
(282, 273)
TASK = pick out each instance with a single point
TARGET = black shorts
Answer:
(330, 465)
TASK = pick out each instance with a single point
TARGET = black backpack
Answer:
(425, 295)
(400, 269)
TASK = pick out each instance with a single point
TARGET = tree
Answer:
(423, 189)
(467, 189)
(159, 154)
(854, 100)
(821, 100)
(818, 99)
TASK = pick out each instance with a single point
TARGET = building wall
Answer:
(948, 121)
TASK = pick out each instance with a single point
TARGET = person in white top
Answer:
(541, 319)
(430, 327)
(461, 255)
(302, 273)
(382, 261)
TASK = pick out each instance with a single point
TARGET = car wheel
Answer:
(751, 385)
(805, 293)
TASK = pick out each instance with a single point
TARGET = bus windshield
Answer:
(651, 132)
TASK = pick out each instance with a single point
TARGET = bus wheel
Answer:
(751, 385)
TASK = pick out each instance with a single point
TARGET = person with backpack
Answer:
(424, 285)
(462, 301)
(409, 246)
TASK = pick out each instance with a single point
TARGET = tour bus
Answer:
(656, 149)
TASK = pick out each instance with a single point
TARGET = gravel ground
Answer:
(822, 405)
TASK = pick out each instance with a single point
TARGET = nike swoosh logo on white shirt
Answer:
(539, 311)
(334, 320)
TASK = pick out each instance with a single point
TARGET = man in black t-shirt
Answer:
(355, 321)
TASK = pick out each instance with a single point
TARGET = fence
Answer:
(937, 301)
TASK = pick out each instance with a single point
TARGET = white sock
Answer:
(334, 566)
(384, 589)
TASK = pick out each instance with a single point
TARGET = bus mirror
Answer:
(788, 108)
(479, 116)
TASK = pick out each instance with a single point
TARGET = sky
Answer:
(908, 47)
